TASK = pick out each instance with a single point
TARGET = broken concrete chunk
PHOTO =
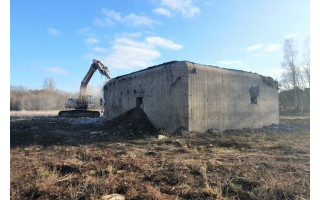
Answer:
(113, 197)
(161, 137)
(278, 127)
(132, 155)
(212, 131)
(95, 132)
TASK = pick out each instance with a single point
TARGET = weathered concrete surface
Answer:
(196, 97)
(164, 92)
(220, 99)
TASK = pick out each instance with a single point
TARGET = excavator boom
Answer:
(96, 64)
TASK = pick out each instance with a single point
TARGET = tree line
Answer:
(47, 98)
(294, 93)
(22, 98)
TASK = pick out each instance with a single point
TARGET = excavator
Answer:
(84, 105)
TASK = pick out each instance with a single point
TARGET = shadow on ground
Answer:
(48, 131)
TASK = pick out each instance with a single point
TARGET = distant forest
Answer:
(43, 99)
(289, 104)
(47, 98)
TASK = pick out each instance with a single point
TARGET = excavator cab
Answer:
(91, 101)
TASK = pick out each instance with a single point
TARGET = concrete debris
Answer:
(272, 127)
(181, 131)
(113, 197)
(95, 132)
(213, 131)
(131, 124)
(95, 121)
(278, 127)
(180, 143)
(132, 155)
(162, 131)
(161, 137)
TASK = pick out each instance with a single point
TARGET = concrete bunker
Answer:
(196, 97)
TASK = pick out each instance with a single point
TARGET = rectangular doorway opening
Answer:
(138, 101)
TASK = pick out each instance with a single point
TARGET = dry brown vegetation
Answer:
(54, 158)
(38, 113)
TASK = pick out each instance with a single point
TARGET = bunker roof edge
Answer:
(266, 79)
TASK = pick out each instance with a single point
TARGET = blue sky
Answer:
(59, 39)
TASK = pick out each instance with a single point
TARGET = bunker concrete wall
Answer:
(193, 96)
(220, 98)
(164, 93)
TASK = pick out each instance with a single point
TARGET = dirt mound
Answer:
(131, 123)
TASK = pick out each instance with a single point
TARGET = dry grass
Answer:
(40, 113)
(234, 165)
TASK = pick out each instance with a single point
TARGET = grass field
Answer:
(233, 165)
(25, 113)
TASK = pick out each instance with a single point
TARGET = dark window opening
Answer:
(134, 91)
(138, 101)
(254, 93)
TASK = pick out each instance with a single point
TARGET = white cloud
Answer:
(104, 22)
(139, 20)
(134, 35)
(112, 14)
(161, 42)
(130, 57)
(274, 73)
(91, 40)
(291, 35)
(254, 47)
(256, 56)
(98, 22)
(56, 70)
(225, 50)
(268, 48)
(162, 11)
(184, 7)
(273, 47)
(112, 17)
(130, 42)
(231, 62)
(53, 31)
(85, 30)
(133, 54)
(100, 50)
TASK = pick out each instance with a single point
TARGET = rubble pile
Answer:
(278, 127)
(272, 127)
(131, 123)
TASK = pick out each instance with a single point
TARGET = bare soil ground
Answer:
(58, 158)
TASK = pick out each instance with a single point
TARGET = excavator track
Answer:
(79, 113)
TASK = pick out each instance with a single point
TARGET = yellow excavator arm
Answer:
(96, 64)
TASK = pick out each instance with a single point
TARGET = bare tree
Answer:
(291, 77)
(306, 61)
(49, 84)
